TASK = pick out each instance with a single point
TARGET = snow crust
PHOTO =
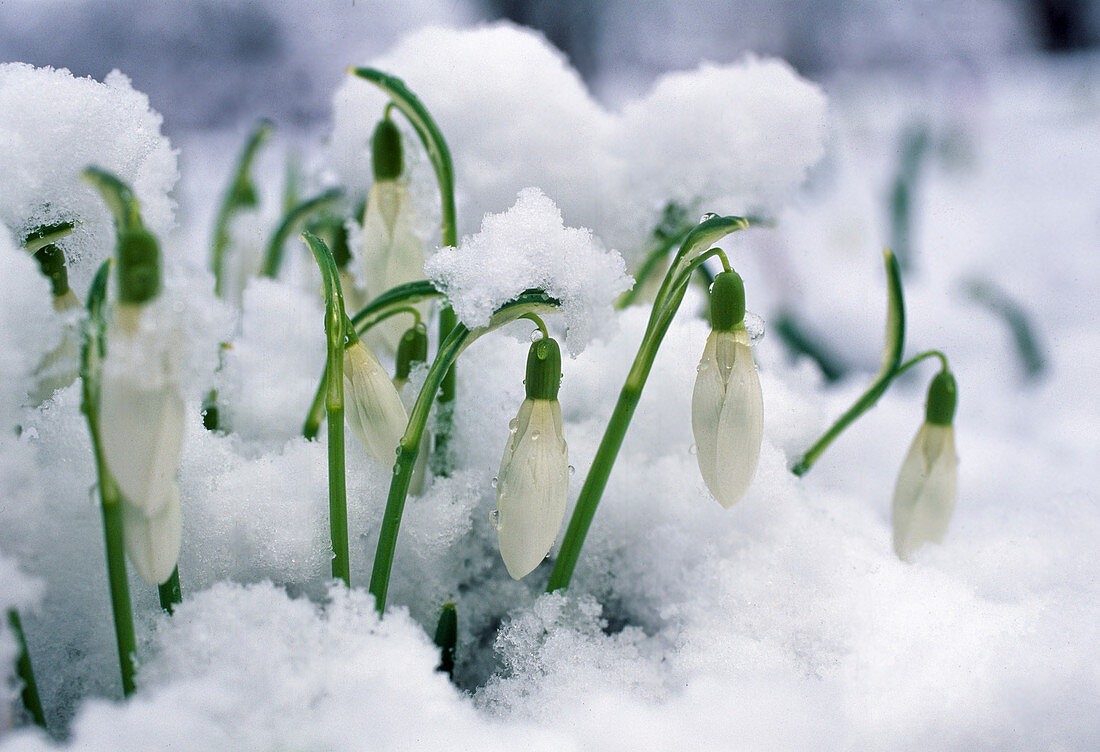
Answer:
(529, 246)
(53, 125)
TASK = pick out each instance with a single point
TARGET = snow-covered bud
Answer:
(391, 251)
(727, 406)
(533, 482)
(373, 407)
(925, 494)
(141, 411)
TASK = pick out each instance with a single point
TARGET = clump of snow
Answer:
(53, 126)
(513, 111)
(248, 668)
(29, 327)
(733, 139)
(526, 247)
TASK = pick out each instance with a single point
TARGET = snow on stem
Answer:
(334, 407)
(532, 301)
(690, 256)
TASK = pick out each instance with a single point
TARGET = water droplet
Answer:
(708, 215)
(693, 449)
(536, 335)
(397, 469)
(513, 425)
(535, 436)
(493, 482)
(572, 469)
(494, 519)
(755, 327)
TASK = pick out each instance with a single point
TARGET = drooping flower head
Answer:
(533, 482)
(924, 497)
(373, 411)
(727, 406)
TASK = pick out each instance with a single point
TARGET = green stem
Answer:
(292, 220)
(649, 265)
(241, 194)
(94, 349)
(690, 257)
(170, 593)
(377, 310)
(409, 446)
(446, 639)
(334, 407)
(25, 671)
(439, 154)
(891, 367)
(118, 197)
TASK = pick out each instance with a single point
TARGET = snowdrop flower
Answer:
(391, 251)
(727, 407)
(925, 494)
(142, 412)
(533, 482)
(373, 407)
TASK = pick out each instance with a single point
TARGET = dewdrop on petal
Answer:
(372, 406)
(391, 252)
(925, 494)
(141, 410)
(533, 482)
(727, 406)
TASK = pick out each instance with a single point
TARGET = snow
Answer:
(785, 622)
(529, 246)
(53, 126)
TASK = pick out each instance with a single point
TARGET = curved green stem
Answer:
(409, 446)
(118, 197)
(538, 322)
(690, 256)
(377, 310)
(439, 154)
(334, 407)
(891, 367)
(292, 220)
(241, 194)
(93, 351)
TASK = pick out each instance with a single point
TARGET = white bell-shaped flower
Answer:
(372, 406)
(924, 497)
(391, 251)
(727, 405)
(533, 482)
(141, 412)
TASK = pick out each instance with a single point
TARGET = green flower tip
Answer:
(942, 399)
(385, 147)
(138, 266)
(727, 302)
(413, 348)
(543, 370)
(51, 260)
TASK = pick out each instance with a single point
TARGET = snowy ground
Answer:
(784, 623)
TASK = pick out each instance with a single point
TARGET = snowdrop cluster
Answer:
(739, 139)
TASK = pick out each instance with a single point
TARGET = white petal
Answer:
(372, 406)
(532, 487)
(141, 419)
(925, 494)
(153, 541)
(727, 416)
(392, 253)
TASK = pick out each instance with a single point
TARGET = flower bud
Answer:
(727, 406)
(924, 497)
(373, 408)
(533, 482)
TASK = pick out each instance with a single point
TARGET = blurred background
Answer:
(218, 63)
